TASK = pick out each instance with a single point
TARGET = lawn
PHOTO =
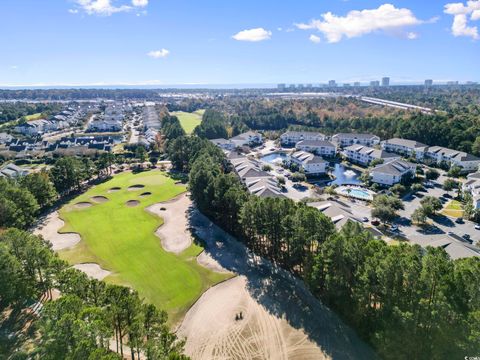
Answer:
(454, 209)
(122, 240)
(33, 117)
(189, 120)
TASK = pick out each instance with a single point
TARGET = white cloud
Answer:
(157, 54)
(460, 14)
(14, 67)
(257, 34)
(412, 35)
(107, 7)
(315, 39)
(140, 3)
(360, 22)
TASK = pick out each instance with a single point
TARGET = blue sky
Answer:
(160, 42)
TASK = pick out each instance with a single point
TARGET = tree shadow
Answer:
(280, 293)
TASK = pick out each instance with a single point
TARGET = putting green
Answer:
(189, 121)
(121, 239)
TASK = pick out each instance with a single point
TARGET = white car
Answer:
(477, 227)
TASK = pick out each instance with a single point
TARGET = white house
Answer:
(347, 139)
(472, 185)
(247, 138)
(364, 155)
(223, 143)
(310, 163)
(319, 147)
(405, 147)
(392, 172)
(293, 137)
(461, 159)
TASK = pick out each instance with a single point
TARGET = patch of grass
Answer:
(189, 121)
(454, 209)
(122, 240)
(33, 117)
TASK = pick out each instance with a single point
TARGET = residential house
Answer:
(347, 139)
(249, 138)
(405, 147)
(338, 213)
(440, 154)
(310, 163)
(223, 143)
(12, 171)
(392, 172)
(472, 185)
(319, 147)
(293, 137)
(364, 155)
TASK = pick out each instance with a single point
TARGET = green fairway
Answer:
(33, 117)
(189, 120)
(122, 240)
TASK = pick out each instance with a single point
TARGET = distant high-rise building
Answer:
(300, 86)
(346, 85)
(356, 83)
(385, 81)
(309, 86)
(452, 83)
(332, 83)
(281, 86)
(291, 86)
(375, 83)
(428, 83)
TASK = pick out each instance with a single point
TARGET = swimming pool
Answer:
(275, 158)
(355, 192)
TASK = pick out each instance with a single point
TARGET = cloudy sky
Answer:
(160, 42)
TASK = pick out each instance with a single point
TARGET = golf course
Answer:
(118, 233)
(189, 121)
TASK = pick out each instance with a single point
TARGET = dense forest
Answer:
(406, 302)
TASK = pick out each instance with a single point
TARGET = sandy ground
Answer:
(49, 227)
(282, 319)
(206, 260)
(174, 233)
(93, 270)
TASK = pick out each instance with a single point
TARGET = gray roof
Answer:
(307, 158)
(303, 133)
(338, 213)
(455, 249)
(318, 143)
(355, 136)
(453, 154)
(394, 167)
(375, 153)
(406, 143)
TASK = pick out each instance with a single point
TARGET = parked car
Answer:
(394, 227)
(446, 195)
(466, 236)
(375, 222)
(365, 219)
(459, 220)
(477, 227)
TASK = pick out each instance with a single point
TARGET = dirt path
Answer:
(281, 318)
(174, 233)
(49, 227)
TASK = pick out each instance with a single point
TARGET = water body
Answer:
(275, 158)
(345, 176)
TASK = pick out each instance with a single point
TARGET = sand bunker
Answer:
(174, 232)
(99, 199)
(210, 263)
(114, 189)
(136, 187)
(145, 194)
(213, 333)
(93, 270)
(132, 203)
(49, 227)
(82, 205)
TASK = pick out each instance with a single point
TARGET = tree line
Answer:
(89, 313)
(405, 301)
(17, 110)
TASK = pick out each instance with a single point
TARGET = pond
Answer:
(275, 158)
(344, 175)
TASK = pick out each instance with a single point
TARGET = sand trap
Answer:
(136, 187)
(82, 205)
(145, 194)
(93, 270)
(49, 227)
(114, 189)
(132, 203)
(208, 262)
(213, 333)
(174, 232)
(99, 199)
